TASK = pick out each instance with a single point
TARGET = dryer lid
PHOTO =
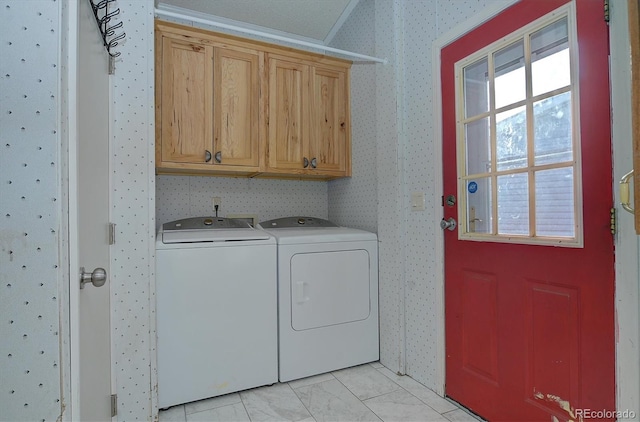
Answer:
(209, 229)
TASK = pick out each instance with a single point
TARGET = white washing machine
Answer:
(216, 298)
(327, 296)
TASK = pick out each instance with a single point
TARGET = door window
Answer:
(517, 137)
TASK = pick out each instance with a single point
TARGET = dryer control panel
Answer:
(297, 222)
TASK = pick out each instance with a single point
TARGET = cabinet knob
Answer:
(305, 162)
(207, 156)
(314, 163)
(218, 157)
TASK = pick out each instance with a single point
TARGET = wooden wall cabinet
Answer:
(186, 102)
(230, 106)
(330, 141)
(308, 118)
(208, 104)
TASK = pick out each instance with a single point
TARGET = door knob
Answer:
(313, 163)
(305, 162)
(98, 277)
(449, 224)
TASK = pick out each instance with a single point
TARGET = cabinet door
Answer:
(236, 107)
(187, 78)
(288, 114)
(330, 140)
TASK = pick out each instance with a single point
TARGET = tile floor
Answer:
(367, 392)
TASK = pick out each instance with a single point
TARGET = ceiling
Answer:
(310, 20)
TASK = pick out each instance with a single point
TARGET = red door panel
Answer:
(529, 328)
(552, 327)
(480, 325)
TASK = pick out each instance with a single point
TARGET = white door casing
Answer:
(627, 243)
(88, 100)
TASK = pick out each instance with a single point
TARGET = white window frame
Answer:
(566, 11)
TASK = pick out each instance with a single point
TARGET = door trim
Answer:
(69, 93)
(447, 38)
(72, 204)
(627, 290)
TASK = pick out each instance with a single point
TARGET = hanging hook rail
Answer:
(107, 28)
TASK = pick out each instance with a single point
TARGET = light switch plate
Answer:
(417, 201)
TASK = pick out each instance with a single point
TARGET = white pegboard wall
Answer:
(29, 211)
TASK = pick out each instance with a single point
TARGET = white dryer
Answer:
(327, 296)
(216, 309)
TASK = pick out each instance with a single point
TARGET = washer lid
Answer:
(301, 222)
(209, 229)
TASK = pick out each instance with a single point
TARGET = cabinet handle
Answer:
(218, 157)
(305, 162)
(207, 156)
(314, 163)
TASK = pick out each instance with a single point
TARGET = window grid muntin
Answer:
(535, 99)
(565, 12)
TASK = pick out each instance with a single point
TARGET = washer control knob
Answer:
(208, 221)
(301, 221)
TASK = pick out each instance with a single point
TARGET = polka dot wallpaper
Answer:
(353, 201)
(180, 197)
(388, 35)
(132, 202)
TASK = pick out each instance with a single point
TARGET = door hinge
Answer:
(112, 233)
(614, 220)
(606, 11)
(114, 405)
(112, 65)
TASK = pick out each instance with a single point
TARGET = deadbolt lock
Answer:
(451, 200)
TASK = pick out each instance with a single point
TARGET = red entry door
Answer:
(529, 324)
